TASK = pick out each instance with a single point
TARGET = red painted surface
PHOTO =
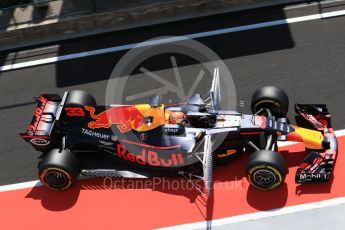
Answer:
(89, 205)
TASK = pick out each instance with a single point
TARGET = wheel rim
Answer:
(57, 179)
(264, 178)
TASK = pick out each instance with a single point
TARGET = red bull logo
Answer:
(125, 118)
(150, 157)
(38, 113)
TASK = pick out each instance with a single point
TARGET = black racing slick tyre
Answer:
(270, 97)
(79, 98)
(266, 169)
(58, 170)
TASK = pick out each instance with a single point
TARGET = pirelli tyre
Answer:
(266, 169)
(79, 98)
(59, 169)
(270, 97)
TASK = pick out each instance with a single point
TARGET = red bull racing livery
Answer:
(77, 137)
(124, 117)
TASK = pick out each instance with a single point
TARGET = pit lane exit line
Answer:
(171, 40)
(35, 183)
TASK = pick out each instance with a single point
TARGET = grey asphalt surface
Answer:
(306, 59)
(329, 215)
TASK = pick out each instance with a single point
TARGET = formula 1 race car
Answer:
(78, 137)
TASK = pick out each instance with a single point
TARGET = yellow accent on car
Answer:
(267, 101)
(159, 115)
(311, 138)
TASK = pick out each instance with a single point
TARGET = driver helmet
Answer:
(178, 118)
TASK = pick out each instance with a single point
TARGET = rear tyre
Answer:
(80, 98)
(266, 169)
(59, 169)
(270, 97)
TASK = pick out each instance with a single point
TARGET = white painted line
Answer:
(35, 183)
(303, 5)
(260, 215)
(22, 185)
(340, 132)
(171, 39)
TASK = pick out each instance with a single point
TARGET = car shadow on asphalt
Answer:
(226, 45)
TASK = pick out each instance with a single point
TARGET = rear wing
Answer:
(47, 111)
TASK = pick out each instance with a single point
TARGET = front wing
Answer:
(319, 164)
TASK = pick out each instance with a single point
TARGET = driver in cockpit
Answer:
(178, 118)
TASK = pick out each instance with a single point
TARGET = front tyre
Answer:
(266, 169)
(270, 97)
(59, 169)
